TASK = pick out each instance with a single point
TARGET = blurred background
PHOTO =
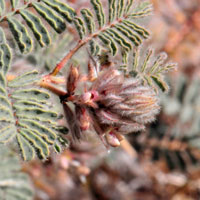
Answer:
(161, 163)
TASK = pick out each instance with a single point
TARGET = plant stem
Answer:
(52, 88)
(68, 56)
(62, 63)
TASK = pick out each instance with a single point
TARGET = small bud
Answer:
(72, 79)
(89, 98)
(86, 97)
(112, 140)
(92, 73)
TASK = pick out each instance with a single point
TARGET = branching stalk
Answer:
(81, 43)
(52, 88)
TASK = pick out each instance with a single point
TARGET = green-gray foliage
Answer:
(51, 11)
(151, 70)
(121, 29)
(26, 115)
(14, 184)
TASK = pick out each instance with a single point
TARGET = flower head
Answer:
(113, 105)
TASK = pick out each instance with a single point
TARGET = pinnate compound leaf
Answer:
(89, 20)
(27, 150)
(125, 45)
(2, 80)
(53, 11)
(79, 24)
(60, 143)
(120, 8)
(36, 122)
(5, 53)
(38, 113)
(2, 36)
(4, 101)
(106, 39)
(134, 27)
(37, 27)
(129, 34)
(26, 118)
(142, 10)
(112, 10)
(7, 133)
(95, 48)
(129, 3)
(62, 8)
(46, 133)
(21, 35)
(14, 184)
(120, 31)
(51, 17)
(97, 5)
(24, 79)
(40, 145)
(151, 72)
(31, 94)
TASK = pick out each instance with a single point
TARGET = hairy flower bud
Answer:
(72, 79)
(125, 103)
(89, 98)
(114, 105)
(112, 139)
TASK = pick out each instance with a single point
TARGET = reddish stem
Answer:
(52, 88)
(62, 63)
